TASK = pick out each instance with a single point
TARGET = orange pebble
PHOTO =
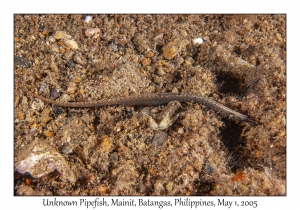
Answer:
(238, 176)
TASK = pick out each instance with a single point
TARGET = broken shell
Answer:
(159, 139)
(71, 88)
(61, 35)
(72, 44)
(40, 159)
(197, 41)
(92, 31)
(170, 50)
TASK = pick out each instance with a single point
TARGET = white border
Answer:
(8, 201)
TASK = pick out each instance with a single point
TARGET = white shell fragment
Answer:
(61, 35)
(197, 41)
(72, 44)
(92, 31)
(166, 118)
(88, 19)
(67, 39)
(40, 159)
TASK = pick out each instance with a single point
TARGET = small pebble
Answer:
(160, 72)
(72, 44)
(180, 130)
(170, 50)
(148, 140)
(77, 80)
(42, 87)
(55, 49)
(142, 187)
(67, 150)
(189, 61)
(54, 94)
(88, 18)
(68, 55)
(105, 145)
(32, 38)
(92, 31)
(183, 33)
(70, 64)
(57, 110)
(21, 61)
(152, 124)
(24, 100)
(37, 105)
(112, 46)
(118, 128)
(20, 116)
(149, 54)
(61, 35)
(146, 61)
(159, 139)
(209, 169)
(197, 41)
(114, 157)
(71, 88)
(51, 39)
(53, 67)
(48, 133)
(78, 59)
(45, 116)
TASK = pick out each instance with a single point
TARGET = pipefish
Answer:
(154, 99)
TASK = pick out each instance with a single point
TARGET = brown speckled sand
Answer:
(150, 150)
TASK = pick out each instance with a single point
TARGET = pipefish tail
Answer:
(154, 99)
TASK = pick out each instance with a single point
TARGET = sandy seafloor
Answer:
(144, 150)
